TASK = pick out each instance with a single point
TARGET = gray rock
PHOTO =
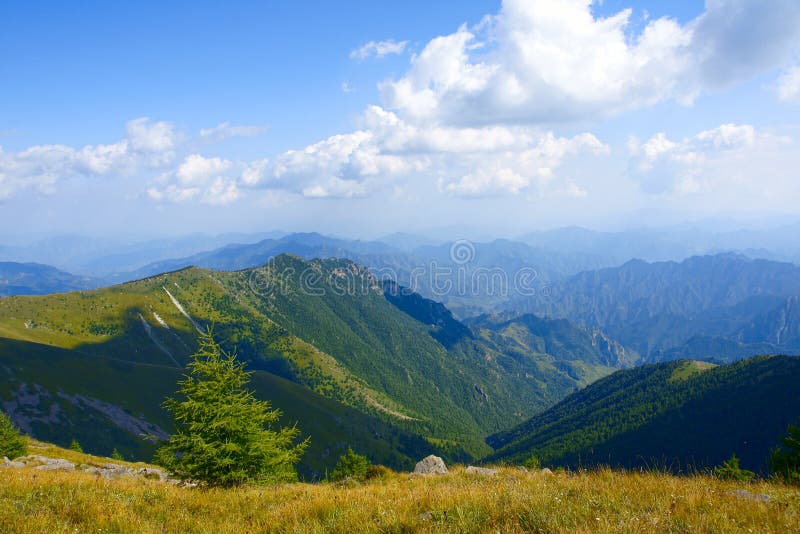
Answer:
(744, 494)
(111, 471)
(57, 464)
(483, 471)
(10, 463)
(34, 459)
(116, 471)
(430, 465)
(546, 471)
(425, 516)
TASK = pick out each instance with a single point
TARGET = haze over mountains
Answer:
(644, 288)
(412, 345)
(417, 376)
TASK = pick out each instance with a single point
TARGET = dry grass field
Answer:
(512, 501)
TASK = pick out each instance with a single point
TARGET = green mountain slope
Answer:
(106, 403)
(322, 328)
(679, 415)
(456, 395)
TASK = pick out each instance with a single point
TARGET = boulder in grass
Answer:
(11, 463)
(744, 494)
(57, 464)
(430, 465)
(483, 471)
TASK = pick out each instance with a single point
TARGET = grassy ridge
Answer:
(513, 501)
(139, 389)
(334, 332)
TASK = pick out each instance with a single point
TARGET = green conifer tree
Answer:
(224, 434)
(12, 444)
(351, 465)
(785, 460)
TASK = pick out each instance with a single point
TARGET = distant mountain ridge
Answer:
(657, 308)
(37, 279)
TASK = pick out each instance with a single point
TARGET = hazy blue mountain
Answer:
(657, 308)
(673, 242)
(37, 279)
(478, 282)
(103, 257)
(409, 242)
(779, 326)
(237, 256)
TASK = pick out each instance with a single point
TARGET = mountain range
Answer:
(363, 344)
(725, 306)
(36, 279)
(323, 336)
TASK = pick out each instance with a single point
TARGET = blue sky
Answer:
(362, 118)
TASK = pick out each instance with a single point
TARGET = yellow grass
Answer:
(514, 501)
(49, 450)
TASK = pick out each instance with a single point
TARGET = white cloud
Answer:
(198, 169)
(463, 161)
(336, 187)
(255, 173)
(145, 136)
(379, 49)
(789, 85)
(221, 192)
(729, 159)
(213, 180)
(552, 60)
(226, 130)
(146, 145)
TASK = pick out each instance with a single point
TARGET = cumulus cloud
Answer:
(226, 130)
(213, 180)
(146, 145)
(460, 161)
(553, 60)
(729, 158)
(379, 49)
(469, 161)
(147, 148)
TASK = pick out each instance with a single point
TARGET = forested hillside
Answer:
(678, 415)
(323, 328)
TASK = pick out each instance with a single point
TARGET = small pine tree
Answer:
(224, 435)
(12, 444)
(532, 463)
(75, 446)
(351, 465)
(115, 455)
(785, 460)
(730, 470)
